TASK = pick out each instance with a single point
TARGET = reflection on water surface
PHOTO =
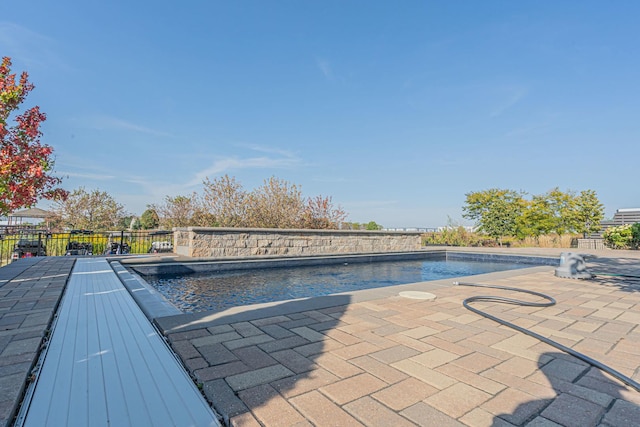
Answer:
(215, 291)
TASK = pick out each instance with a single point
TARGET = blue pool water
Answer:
(216, 291)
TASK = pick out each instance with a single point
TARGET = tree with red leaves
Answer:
(321, 213)
(25, 163)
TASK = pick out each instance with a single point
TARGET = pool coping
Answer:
(148, 266)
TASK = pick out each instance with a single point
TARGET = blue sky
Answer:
(395, 109)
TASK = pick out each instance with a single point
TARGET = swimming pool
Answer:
(223, 289)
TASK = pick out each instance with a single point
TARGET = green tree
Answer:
(149, 219)
(552, 212)
(351, 225)
(563, 207)
(95, 210)
(495, 211)
(372, 225)
(588, 213)
(635, 235)
(128, 222)
(537, 218)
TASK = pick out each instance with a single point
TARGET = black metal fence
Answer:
(29, 242)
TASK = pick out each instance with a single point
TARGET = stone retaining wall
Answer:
(203, 242)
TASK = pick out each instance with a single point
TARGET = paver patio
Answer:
(30, 291)
(367, 359)
(377, 359)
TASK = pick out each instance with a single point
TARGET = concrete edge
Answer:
(182, 265)
(176, 265)
(152, 303)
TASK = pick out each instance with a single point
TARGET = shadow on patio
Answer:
(584, 397)
(246, 359)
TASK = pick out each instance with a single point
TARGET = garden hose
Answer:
(550, 301)
(624, 276)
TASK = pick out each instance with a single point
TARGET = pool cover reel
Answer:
(549, 302)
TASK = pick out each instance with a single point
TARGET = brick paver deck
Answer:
(30, 290)
(375, 358)
(363, 359)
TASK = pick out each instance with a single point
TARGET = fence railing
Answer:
(15, 244)
(590, 244)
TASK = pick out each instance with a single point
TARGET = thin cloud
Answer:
(536, 128)
(332, 179)
(155, 191)
(268, 150)
(29, 47)
(92, 176)
(452, 161)
(372, 204)
(514, 98)
(281, 159)
(114, 123)
(325, 68)
(528, 130)
(77, 167)
(223, 165)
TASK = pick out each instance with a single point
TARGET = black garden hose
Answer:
(550, 301)
(624, 276)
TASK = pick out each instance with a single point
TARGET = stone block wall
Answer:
(202, 242)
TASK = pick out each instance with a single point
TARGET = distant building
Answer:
(469, 228)
(621, 217)
(624, 216)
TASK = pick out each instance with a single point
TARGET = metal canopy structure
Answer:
(32, 213)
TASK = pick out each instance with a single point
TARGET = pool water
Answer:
(216, 291)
